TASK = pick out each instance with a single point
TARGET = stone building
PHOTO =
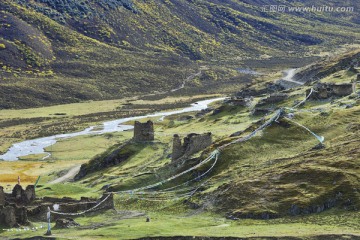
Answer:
(143, 132)
(192, 143)
(328, 90)
(272, 99)
(13, 209)
(16, 207)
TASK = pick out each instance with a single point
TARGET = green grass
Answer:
(265, 175)
(113, 225)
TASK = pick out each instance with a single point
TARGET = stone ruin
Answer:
(237, 101)
(328, 90)
(143, 132)
(18, 207)
(272, 99)
(192, 143)
(12, 205)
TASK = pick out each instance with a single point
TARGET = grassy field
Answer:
(18, 125)
(117, 225)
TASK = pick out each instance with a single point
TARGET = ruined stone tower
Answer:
(192, 144)
(143, 132)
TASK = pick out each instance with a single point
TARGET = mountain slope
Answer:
(281, 171)
(76, 50)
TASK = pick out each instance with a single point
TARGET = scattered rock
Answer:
(260, 111)
(236, 134)
(203, 112)
(218, 110)
(192, 205)
(237, 101)
(65, 223)
(318, 146)
(328, 90)
(272, 99)
(185, 118)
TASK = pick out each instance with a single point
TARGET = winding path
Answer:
(188, 79)
(290, 75)
(68, 176)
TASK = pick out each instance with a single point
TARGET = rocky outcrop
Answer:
(143, 132)
(192, 143)
(329, 90)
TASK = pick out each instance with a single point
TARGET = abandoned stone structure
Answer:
(328, 90)
(192, 143)
(260, 111)
(272, 99)
(2, 196)
(143, 132)
(12, 205)
(18, 207)
(237, 101)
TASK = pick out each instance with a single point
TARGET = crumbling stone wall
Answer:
(21, 204)
(29, 193)
(2, 196)
(68, 205)
(14, 205)
(192, 143)
(143, 132)
(328, 90)
(272, 99)
(237, 101)
(7, 216)
(22, 196)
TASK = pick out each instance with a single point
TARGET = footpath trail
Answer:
(68, 176)
(188, 79)
(290, 75)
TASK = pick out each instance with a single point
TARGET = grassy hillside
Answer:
(274, 184)
(66, 51)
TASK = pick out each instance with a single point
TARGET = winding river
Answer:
(37, 146)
